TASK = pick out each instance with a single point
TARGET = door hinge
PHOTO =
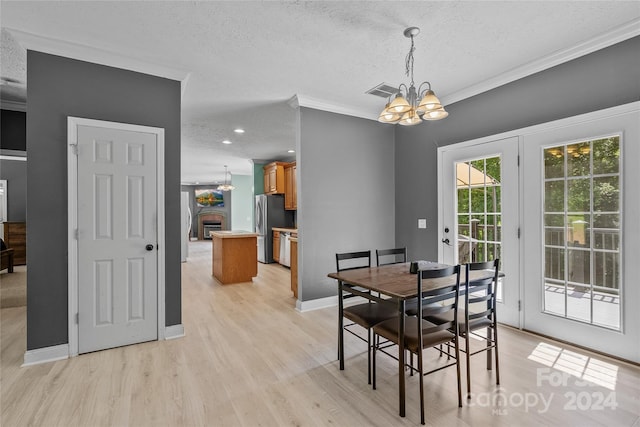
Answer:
(519, 305)
(518, 159)
(77, 318)
(74, 148)
(518, 232)
(76, 234)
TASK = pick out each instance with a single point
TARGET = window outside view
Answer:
(582, 229)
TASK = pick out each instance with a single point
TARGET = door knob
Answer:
(149, 247)
(446, 242)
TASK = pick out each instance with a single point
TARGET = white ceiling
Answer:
(245, 60)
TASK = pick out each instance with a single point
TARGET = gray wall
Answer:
(603, 79)
(61, 87)
(345, 193)
(15, 172)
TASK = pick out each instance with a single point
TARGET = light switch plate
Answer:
(422, 223)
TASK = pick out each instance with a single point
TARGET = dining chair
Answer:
(365, 314)
(479, 312)
(391, 256)
(421, 334)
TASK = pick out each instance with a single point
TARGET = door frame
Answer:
(72, 212)
(519, 220)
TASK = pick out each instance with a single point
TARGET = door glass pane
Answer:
(582, 231)
(479, 207)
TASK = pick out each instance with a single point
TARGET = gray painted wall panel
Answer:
(61, 87)
(602, 79)
(346, 193)
(15, 172)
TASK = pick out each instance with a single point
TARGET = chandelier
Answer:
(411, 106)
(226, 186)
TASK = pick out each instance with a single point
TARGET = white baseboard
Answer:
(173, 332)
(319, 303)
(46, 354)
(316, 304)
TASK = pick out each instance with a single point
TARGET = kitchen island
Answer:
(235, 256)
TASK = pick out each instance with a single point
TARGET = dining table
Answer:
(392, 283)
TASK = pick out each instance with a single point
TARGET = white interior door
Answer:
(117, 237)
(581, 234)
(479, 219)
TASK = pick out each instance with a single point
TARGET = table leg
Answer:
(340, 327)
(401, 361)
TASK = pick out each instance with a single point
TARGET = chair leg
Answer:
(468, 357)
(495, 342)
(420, 370)
(369, 341)
(411, 363)
(489, 338)
(373, 362)
(457, 352)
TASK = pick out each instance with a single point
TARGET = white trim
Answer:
(16, 158)
(46, 354)
(560, 123)
(13, 105)
(316, 304)
(72, 208)
(300, 100)
(319, 303)
(97, 56)
(619, 34)
(173, 332)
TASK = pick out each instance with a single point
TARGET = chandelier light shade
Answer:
(226, 186)
(410, 106)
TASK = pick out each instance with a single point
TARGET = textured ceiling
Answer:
(247, 59)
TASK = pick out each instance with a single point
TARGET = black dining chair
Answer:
(479, 312)
(391, 256)
(421, 334)
(367, 314)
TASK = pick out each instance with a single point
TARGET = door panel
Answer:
(581, 233)
(480, 213)
(117, 215)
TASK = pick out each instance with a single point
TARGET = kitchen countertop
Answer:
(287, 230)
(232, 234)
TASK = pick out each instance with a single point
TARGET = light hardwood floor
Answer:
(249, 359)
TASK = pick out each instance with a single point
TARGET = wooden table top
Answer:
(395, 280)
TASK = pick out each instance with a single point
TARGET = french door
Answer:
(581, 234)
(479, 217)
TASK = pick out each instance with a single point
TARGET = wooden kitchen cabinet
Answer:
(290, 191)
(274, 178)
(15, 236)
(276, 246)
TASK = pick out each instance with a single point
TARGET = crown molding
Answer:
(98, 56)
(300, 100)
(13, 105)
(621, 33)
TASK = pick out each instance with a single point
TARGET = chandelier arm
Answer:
(406, 89)
(420, 92)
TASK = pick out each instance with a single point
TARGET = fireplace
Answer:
(210, 221)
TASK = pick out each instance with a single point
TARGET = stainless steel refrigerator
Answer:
(270, 213)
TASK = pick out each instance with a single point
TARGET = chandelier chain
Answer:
(409, 62)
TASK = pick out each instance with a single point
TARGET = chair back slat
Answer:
(481, 291)
(391, 256)
(352, 260)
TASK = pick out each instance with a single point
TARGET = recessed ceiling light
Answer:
(291, 151)
(226, 141)
(238, 130)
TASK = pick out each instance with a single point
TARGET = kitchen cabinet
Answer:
(290, 191)
(234, 256)
(274, 178)
(15, 236)
(276, 246)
